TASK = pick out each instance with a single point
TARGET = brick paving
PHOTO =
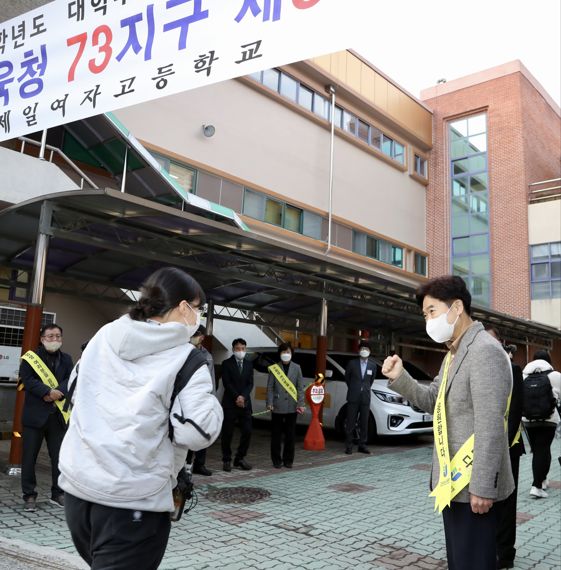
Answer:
(331, 511)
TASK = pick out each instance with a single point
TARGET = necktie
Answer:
(240, 365)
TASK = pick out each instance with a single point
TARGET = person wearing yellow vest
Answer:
(285, 399)
(44, 374)
(471, 472)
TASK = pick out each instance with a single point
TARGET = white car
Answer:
(390, 413)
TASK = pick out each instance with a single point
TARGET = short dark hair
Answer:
(447, 288)
(163, 291)
(284, 346)
(238, 341)
(201, 331)
(495, 331)
(542, 355)
(364, 344)
(46, 328)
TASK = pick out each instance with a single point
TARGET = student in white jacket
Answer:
(541, 433)
(118, 465)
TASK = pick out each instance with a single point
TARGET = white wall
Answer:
(547, 311)
(544, 222)
(25, 177)
(270, 145)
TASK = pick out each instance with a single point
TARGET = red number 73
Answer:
(104, 48)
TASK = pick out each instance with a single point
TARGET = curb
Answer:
(44, 556)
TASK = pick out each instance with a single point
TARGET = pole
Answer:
(331, 90)
(321, 348)
(43, 145)
(124, 179)
(31, 330)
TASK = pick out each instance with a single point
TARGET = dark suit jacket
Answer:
(356, 384)
(35, 410)
(236, 384)
(515, 412)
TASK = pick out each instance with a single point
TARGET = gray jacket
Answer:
(479, 383)
(279, 398)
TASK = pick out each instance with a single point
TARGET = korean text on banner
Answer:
(72, 59)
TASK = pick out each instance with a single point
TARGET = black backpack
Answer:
(538, 402)
(195, 360)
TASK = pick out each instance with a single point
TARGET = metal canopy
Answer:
(104, 237)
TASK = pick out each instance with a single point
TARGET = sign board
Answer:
(9, 362)
(317, 394)
(72, 59)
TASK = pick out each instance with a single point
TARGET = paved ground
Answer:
(331, 511)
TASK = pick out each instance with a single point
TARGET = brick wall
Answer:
(523, 146)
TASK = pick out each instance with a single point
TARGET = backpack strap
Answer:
(195, 360)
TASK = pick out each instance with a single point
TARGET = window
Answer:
(261, 207)
(470, 204)
(376, 248)
(305, 97)
(420, 166)
(420, 264)
(545, 270)
(288, 87)
(185, 176)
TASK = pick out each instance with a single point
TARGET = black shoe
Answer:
(202, 470)
(288, 465)
(58, 501)
(30, 505)
(277, 465)
(348, 450)
(505, 565)
(242, 464)
(227, 466)
(363, 449)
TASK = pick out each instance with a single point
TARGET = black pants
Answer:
(199, 459)
(470, 538)
(506, 528)
(283, 425)
(53, 432)
(242, 416)
(108, 538)
(540, 438)
(360, 410)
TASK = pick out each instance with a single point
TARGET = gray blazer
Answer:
(479, 383)
(279, 398)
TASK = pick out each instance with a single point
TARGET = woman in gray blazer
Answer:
(285, 399)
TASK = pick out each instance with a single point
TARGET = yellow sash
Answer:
(47, 377)
(284, 381)
(455, 475)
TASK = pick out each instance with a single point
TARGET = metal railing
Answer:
(54, 150)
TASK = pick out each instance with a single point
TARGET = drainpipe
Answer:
(331, 90)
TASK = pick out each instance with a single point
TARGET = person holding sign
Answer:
(285, 399)
(471, 471)
(44, 374)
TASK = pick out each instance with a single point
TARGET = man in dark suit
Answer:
(359, 376)
(506, 526)
(237, 378)
(41, 418)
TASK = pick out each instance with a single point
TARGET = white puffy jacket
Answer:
(117, 450)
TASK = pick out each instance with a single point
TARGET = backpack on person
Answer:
(538, 399)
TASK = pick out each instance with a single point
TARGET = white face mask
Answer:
(364, 353)
(192, 329)
(239, 354)
(439, 329)
(52, 346)
(285, 357)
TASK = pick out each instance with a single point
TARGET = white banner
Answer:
(72, 59)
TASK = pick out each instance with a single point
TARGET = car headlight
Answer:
(391, 398)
